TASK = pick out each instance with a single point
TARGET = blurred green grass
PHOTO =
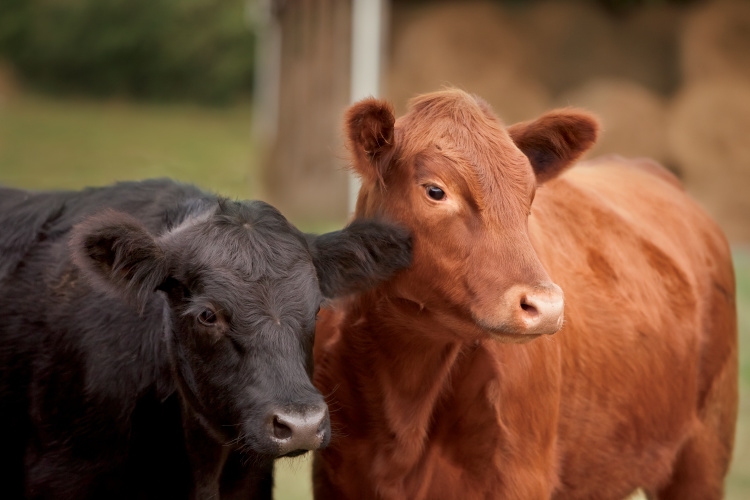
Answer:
(47, 143)
(53, 144)
(738, 482)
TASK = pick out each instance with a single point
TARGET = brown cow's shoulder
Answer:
(647, 164)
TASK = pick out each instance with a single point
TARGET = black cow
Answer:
(155, 340)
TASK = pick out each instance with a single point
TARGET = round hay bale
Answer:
(471, 45)
(715, 42)
(570, 41)
(633, 118)
(573, 42)
(707, 133)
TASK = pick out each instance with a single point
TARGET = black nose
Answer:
(300, 430)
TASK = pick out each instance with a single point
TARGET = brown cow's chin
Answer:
(513, 338)
(510, 335)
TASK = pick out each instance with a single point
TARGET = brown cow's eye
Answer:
(207, 317)
(435, 193)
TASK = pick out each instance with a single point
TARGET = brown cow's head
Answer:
(463, 184)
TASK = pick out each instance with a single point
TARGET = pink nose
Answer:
(530, 310)
(540, 310)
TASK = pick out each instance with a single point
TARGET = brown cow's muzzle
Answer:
(541, 310)
(528, 310)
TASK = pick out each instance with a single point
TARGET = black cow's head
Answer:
(243, 287)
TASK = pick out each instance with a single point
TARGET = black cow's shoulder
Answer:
(53, 317)
(158, 203)
(23, 216)
(66, 349)
(31, 217)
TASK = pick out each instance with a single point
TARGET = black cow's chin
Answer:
(296, 453)
(256, 447)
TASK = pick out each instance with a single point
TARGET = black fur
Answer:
(110, 386)
(348, 261)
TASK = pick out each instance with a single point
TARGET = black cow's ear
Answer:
(555, 141)
(118, 254)
(360, 256)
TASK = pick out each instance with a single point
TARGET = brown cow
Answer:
(445, 383)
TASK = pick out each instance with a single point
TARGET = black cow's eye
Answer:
(207, 317)
(435, 193)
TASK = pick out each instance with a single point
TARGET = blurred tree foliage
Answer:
(152, 49)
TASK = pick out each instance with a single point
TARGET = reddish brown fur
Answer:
(638, 389)
(373, 131)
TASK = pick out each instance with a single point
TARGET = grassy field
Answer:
(738, 483)
(71, 144)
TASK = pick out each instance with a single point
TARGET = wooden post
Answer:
(303, 170)
(367, 59)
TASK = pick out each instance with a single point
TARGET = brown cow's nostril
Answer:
(530, 310)
(537, 310)
(280, 429)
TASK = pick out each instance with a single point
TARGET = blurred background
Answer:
(245, 98)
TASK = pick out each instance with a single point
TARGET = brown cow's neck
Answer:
(412, 387)
(412, 366)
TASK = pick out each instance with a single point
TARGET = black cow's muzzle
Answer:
(298, 430)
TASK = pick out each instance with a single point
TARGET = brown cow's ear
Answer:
(369, 128)
(555, 140)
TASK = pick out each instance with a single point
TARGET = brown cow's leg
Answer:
(696, 475)
(703, 462)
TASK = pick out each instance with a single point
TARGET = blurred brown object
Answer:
(710, 117)
(708, 134)
(9, 85)
(304, 171)
(568, 43)
(715, 42)
(633, 118)
(471, 45)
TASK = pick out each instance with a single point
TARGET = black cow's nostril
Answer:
(324, 426)
(280, 429)
(296, 430)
